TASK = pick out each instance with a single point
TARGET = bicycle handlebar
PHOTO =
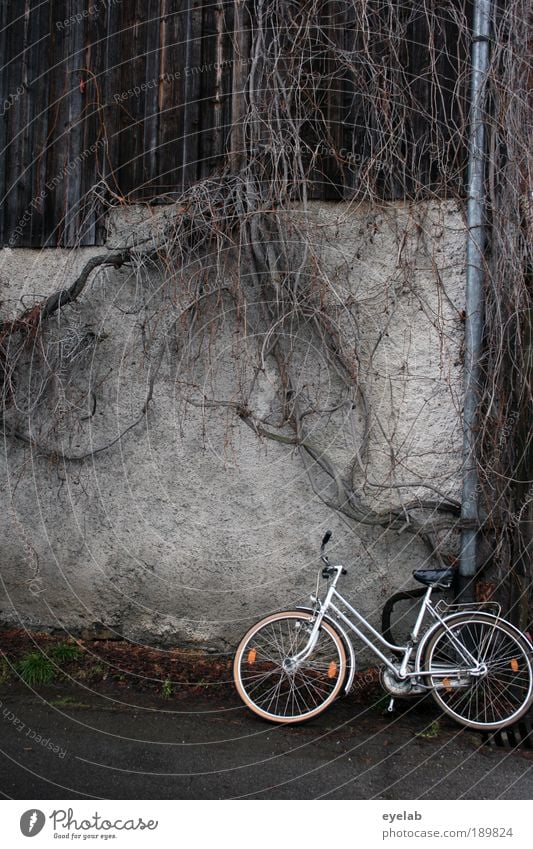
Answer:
(329, 570)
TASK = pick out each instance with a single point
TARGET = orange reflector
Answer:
(332, 669)
(252, 654)
(446, 683)
(514, 664)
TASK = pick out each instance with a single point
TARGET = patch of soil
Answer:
(175, 672)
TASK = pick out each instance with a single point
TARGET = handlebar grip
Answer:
(327, 537)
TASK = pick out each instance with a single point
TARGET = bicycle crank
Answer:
(401, 687)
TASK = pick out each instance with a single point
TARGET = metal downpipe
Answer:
(474, 301)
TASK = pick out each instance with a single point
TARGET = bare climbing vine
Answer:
(241, 243)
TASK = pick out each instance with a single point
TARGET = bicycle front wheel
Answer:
(497, 697)
(276, 687)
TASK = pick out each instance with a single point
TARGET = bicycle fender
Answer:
(352, 666)
(419, 657)
(427, 636)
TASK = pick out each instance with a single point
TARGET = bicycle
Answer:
(292, 665)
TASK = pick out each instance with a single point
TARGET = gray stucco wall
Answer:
(191, 527)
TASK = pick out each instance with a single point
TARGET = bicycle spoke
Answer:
(501, 691)
(278, 686)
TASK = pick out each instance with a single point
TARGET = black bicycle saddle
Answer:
(434, 577)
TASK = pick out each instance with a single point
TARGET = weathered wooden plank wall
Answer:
(145, 94)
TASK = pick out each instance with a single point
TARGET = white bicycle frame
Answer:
(475, 668)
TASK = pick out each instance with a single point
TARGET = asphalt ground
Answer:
(70, 742)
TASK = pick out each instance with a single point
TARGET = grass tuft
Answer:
(36, 668)
(65, 652)
(166, 688)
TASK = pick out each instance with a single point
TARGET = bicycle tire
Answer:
(276, 693)
(496, 699)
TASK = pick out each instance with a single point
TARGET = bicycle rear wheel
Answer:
(498, 697)
(275, 689)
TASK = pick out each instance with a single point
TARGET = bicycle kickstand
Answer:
(390, 708)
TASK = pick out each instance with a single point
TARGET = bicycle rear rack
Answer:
(491, 607)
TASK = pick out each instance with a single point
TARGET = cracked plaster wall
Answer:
(190, 528)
